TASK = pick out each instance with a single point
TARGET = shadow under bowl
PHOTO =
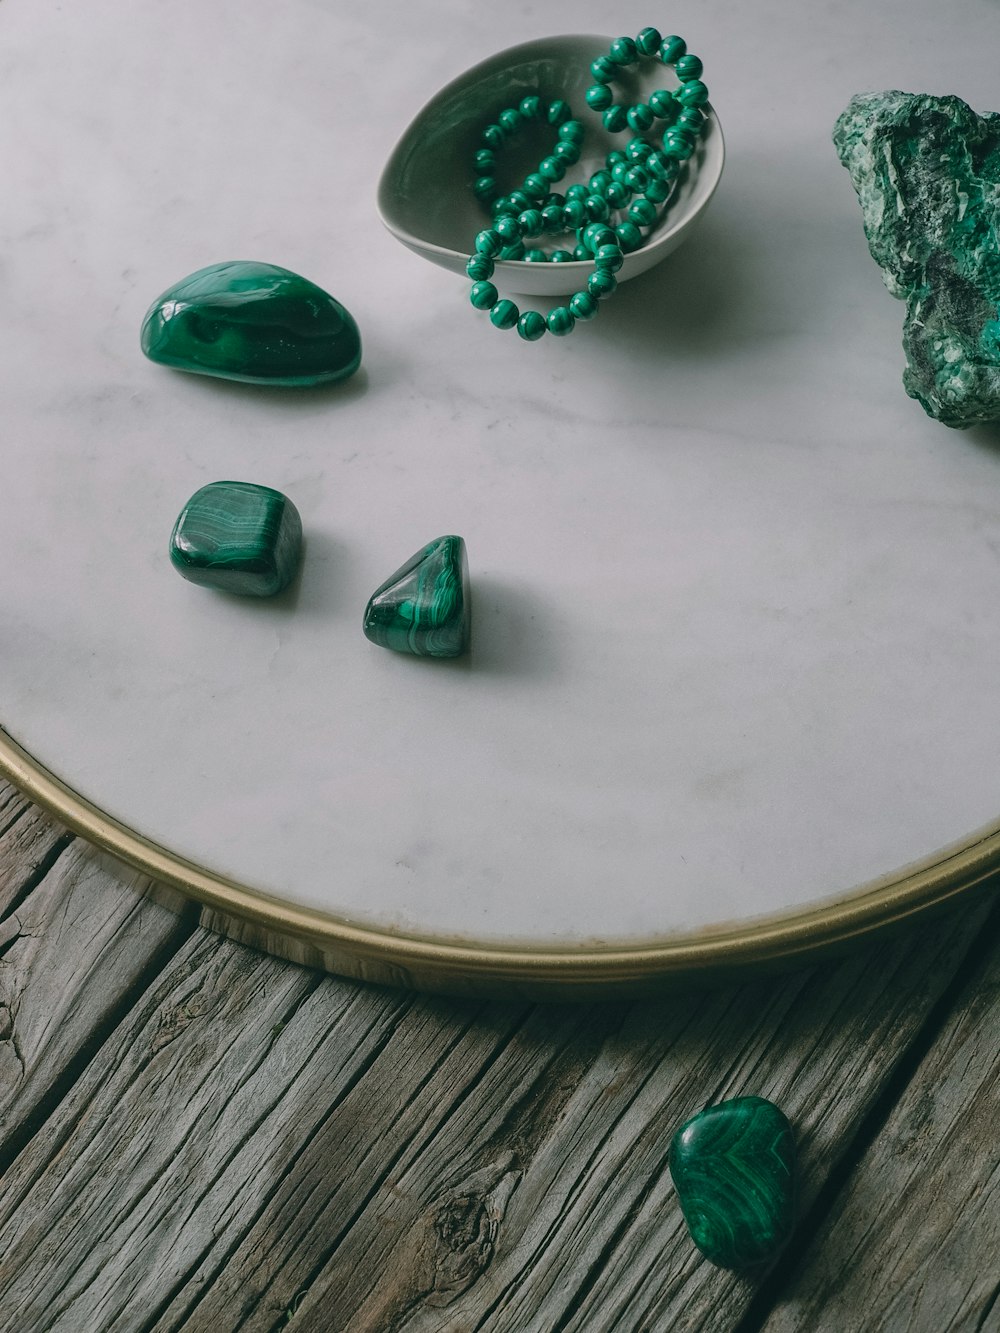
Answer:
(425, 195)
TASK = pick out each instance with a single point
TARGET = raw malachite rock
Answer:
(424, 608)
(733, 1166)
(253, 322)
(927, 173)
(238, 537)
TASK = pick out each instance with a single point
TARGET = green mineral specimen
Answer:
(252, 322)
(927, 173)
(238, 537)
(424, 608)
(733, 1166)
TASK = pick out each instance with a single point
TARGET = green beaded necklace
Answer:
(637, 182)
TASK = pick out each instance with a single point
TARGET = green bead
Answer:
(577, 191)
(518, 201)
(580, 252)
(604, 70)
(663, 104)
(618, 194)
(598, 208)
(424, 607)
(629, 236)
(691, 118)
(567, 152)
(693, 93)
(623, 51)
(560, 321)
(688, 67)
(657, 192)
(572, 131)
(648, 41)
(661, 166)
(599, 97)
(600, 181)
(493, 136)
(609, 258)
(733, 1167)
(637, 150)
(485, 159)
(596, 235)
(574, 215)
(480, 267)
(561, 257)
(552, 217)
(636, 179)
(252, 322)
(671, 49)
(551, 168)
(239, 537)
(601, 283)
(484, 187)
(508, 228)
(535, 256)
(532, 223)
(558, 112)
(510, 120)
(514, 251)
(642, 212)
(500, 206)
(615, 119)
(620, 170)
(483, 295)
(504, 315)
(536, 186)
(678, 146)
(531, 326)
(488, 243)
(640, 117)
(531, 106)
(583, 305)
(616, 155)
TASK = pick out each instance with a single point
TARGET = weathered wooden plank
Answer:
(30, 843)
(917, 1225)
(73, 949)
(284, 1142)
(592, 1238)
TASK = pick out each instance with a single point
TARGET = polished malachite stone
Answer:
(252, 322)
(733, 1166)
(927, 174)
(238, 537)
(425, 607)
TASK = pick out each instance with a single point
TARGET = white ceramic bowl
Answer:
(425, 194)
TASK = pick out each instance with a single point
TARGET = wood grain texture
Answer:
(917, 1225)
(253, 1145)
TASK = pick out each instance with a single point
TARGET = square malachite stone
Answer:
(733, 1166)
(424, 607)
(238, 537)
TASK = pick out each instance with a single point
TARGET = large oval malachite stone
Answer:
(733, 1166)
(424, 608)
(254, 322)
(238, 537)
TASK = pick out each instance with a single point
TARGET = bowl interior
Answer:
(425, 194)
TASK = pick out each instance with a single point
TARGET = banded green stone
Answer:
(733, 1166)
(239, 537)
(424, 608)
(252, 322)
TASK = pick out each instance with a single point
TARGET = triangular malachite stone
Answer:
(733, 1166)
(255, 322)
(424, 608)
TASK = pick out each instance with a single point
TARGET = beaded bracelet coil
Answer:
(635, 183)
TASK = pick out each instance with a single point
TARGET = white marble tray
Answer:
(736, 624)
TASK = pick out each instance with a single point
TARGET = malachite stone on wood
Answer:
(252, 322)
(927, 173)
(238, 537)
(424, 608)
(733, 1166)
